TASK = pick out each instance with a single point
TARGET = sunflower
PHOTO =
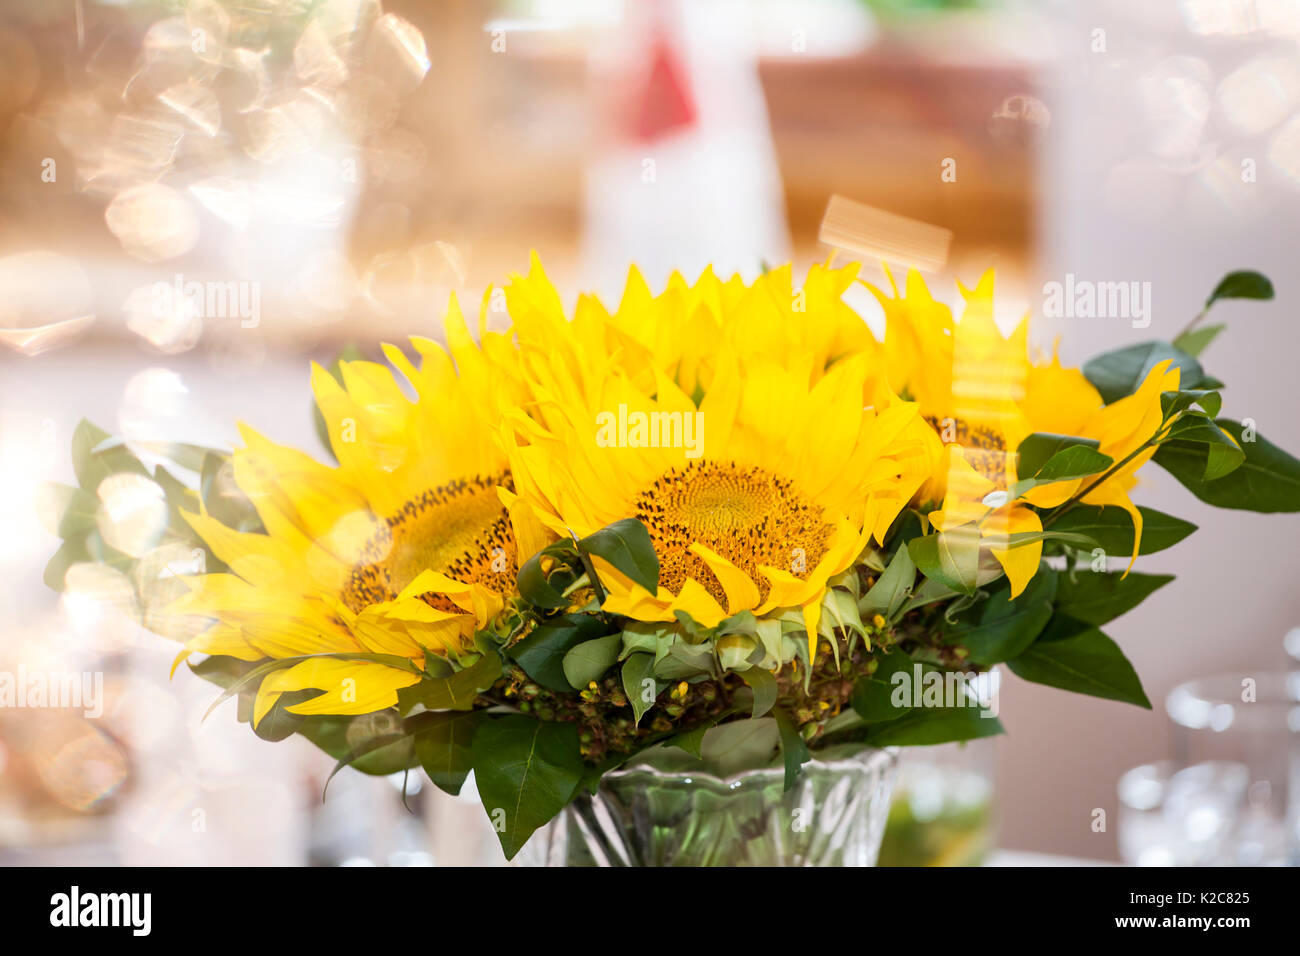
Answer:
(681, 332)
(401, 551)
(983, 395)
(756, 484)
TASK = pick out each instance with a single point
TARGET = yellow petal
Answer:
(1021, 561)
(742, 592)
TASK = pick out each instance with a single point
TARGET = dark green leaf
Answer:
(1097, 597)
(794, 751)
(1112, 528)
(926, 726)
(626, 545)
(278, 723)
(1171, 403)
(1223, 455)
(873, 696)
(1049, 457)
(535, 585)
(541, 653)
(1072, 656)
(526, 772)
(456, 692)
(375, 744)
(443, 748)
(393, 750)
(1243, 284)
(1119, 373)
(1001, 627)
(1267, 481)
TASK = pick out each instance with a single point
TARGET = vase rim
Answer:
(875, 759)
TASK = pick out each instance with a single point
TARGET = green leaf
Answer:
(1096, 598)
(395, 750)
(66, 511)
(526, 772)
(456, 692)
(443, 747)
(541, 653)
(1047, 457)
(764, 687)
(91, 465)
(72, 551)
(685, 661)
(588, 661)
(1171, 403)
(951, 559)
(1119, 373)
(1112, 528)
(692, 741)
(392, 750)
(1002, 628)
(1267, 481)
(636, 671)
(740, 745)
(769, 634)
(1072, 656)
(794, 751)
(223, 498)
(535, 585)
(278, 723)
(928, 592)
(1243, 284)
(892, 588)
(1198, 340)
(1223, 455)
(1028, 537)
(85, 438)
(220, 670)
(626, 545)
(927, 726)
(873, 695)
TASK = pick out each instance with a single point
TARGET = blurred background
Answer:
(328, 171)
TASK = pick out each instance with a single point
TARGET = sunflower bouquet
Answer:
(721, 530)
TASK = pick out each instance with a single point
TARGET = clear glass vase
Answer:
(641, 816)
(942, 813)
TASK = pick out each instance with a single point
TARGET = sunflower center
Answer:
(747, 515)
(459, 529)
(982, 446)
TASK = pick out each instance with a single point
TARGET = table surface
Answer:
(1028, 858)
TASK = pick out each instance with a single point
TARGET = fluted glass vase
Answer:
(642, 816)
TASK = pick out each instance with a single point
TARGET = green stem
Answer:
(1076, 498)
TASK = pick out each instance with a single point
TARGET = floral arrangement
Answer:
(723, 526)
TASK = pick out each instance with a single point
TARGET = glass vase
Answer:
(642, 816)
(942, 813)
